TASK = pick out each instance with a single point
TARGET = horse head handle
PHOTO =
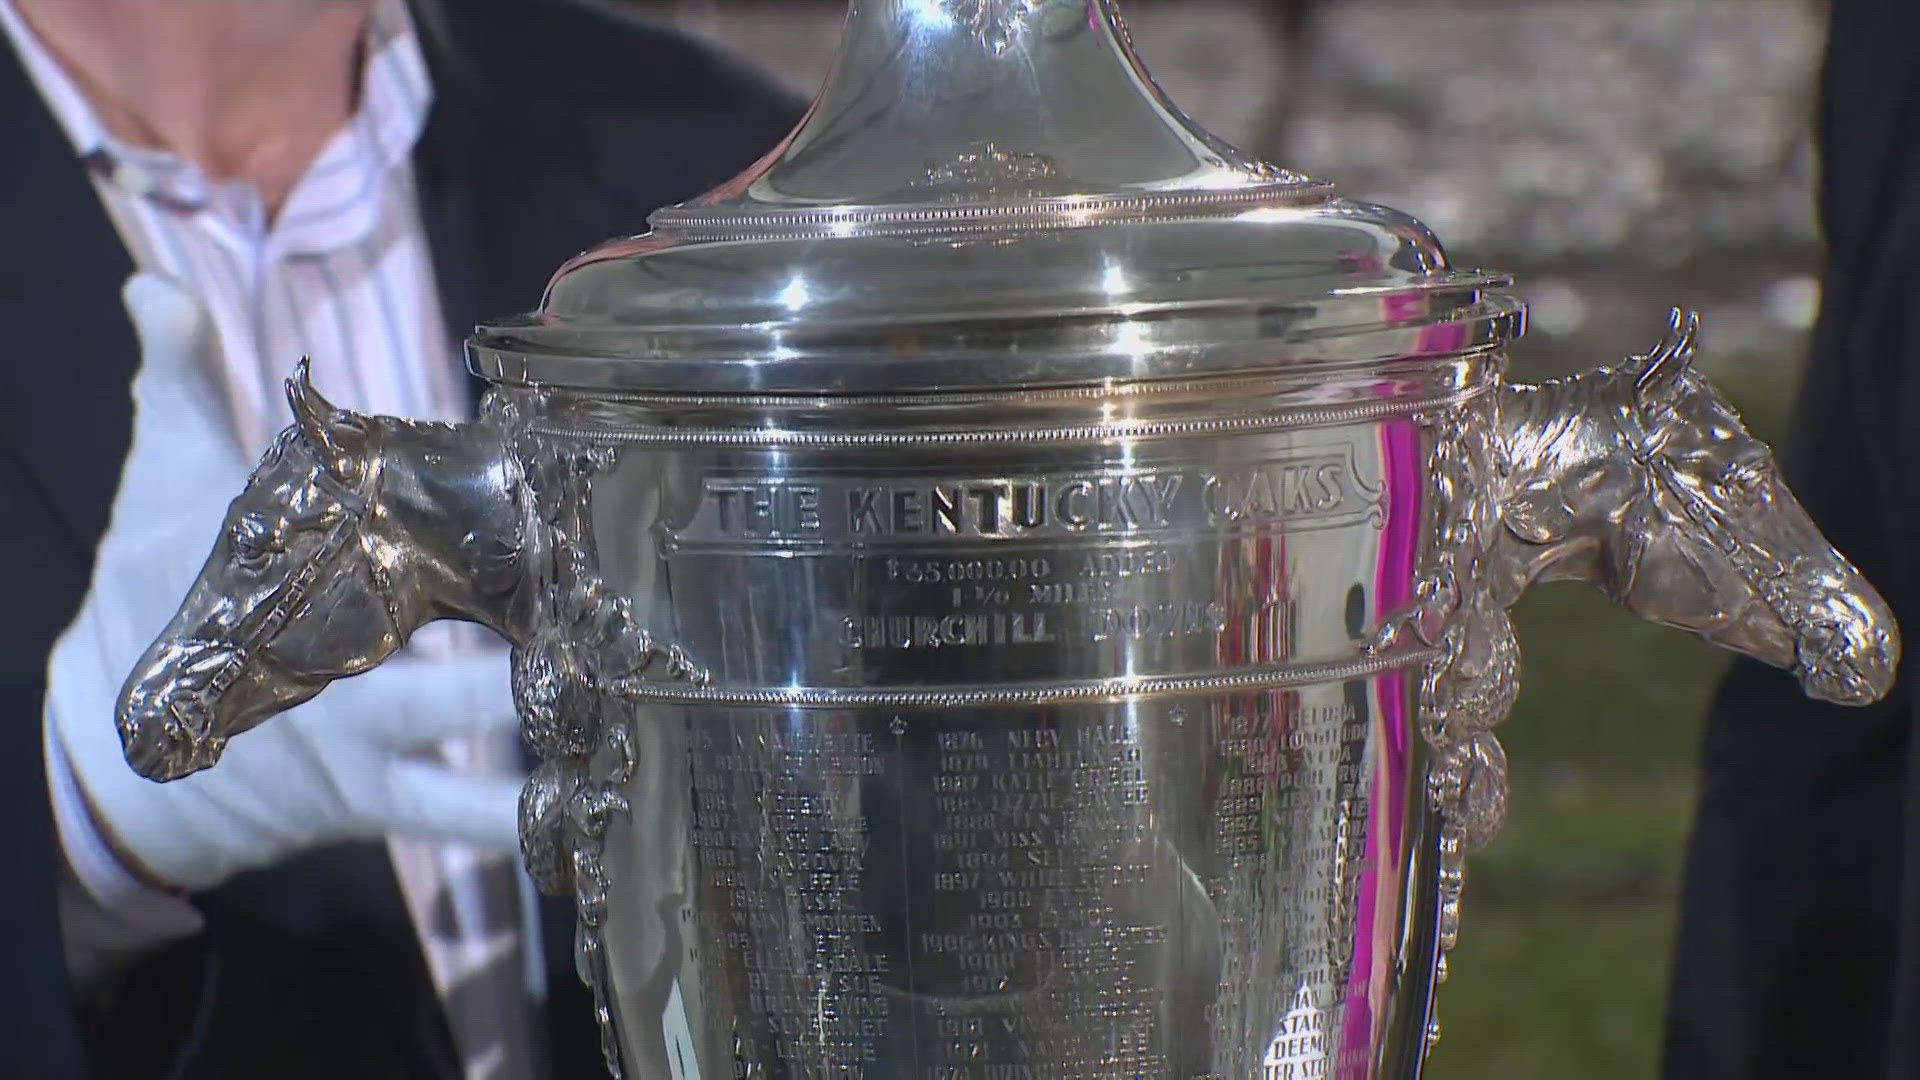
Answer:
(352, 532)
(1642, 480)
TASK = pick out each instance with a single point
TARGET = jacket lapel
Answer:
(66, 412)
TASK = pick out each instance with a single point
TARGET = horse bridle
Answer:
(349, 529)
(1649, 449)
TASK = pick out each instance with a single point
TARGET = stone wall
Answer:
(1620, 155)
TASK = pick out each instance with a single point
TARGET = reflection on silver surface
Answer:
(1009, 587)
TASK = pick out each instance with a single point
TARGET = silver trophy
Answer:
(1008, 587)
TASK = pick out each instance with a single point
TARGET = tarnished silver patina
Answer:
(1010, 586)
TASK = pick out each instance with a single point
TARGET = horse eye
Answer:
(255, 541)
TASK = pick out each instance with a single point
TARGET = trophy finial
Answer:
(921, 85)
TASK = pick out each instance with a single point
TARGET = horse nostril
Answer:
(1848, 657)
(154, 741)
(1861, 662)
(146, 752)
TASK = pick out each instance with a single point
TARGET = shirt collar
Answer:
(335, 202)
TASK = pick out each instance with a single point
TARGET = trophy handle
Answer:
(352, 532)
(1642, 480)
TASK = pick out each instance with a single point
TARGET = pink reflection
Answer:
(1381, 885)
(1441, 338)
(1401, 307)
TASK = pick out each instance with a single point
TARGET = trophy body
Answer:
(1010, 586)
(1022, 750)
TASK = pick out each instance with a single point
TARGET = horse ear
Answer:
(1662, 369)
(336, 435)
(1537, 514)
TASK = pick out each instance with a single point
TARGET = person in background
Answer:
(1799, 945)
(195, 194)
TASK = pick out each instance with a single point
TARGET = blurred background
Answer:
(1621, 157)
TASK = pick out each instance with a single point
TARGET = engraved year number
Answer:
(936, 571)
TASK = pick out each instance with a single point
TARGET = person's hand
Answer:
(354, 762)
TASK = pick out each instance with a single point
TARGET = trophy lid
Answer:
(995, 194)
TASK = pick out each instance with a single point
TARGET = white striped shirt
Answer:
(342, 274)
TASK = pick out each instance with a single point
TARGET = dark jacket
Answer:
(553, 128)
(1799, 948)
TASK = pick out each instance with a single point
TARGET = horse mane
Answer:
(435, 433)
(1544, 415)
